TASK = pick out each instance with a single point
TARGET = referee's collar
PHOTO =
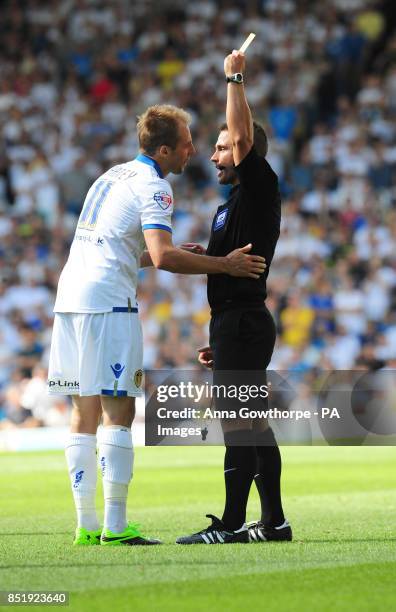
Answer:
(145, 159)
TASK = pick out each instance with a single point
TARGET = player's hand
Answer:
(234, 62)
(205, 357)
(193, 247)
(244, 265)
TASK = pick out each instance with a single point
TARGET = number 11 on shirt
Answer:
(93, 204)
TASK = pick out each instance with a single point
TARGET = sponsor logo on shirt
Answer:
(83, 238)
(99, 241)
(163, 199)
(220, 220)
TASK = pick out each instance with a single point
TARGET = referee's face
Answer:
(223, 159)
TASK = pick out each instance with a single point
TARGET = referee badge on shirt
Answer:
(220, 219)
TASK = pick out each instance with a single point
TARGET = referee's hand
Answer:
(205, 357)
(244, 265)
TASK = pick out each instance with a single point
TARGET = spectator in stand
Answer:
(296, 320)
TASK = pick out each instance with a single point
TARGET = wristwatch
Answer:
(235, 78)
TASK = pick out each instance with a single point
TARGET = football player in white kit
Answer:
(96, 349)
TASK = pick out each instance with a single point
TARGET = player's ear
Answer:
(164, 150)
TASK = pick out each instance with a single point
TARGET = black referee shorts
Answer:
(242, 338)
(242, 342)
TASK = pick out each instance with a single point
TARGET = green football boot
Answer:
(87, 538)
(130, 537)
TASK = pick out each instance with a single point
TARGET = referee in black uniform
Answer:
(242, 331)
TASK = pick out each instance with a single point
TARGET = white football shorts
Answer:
(96, 354)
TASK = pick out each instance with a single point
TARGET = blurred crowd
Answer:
(321, 77)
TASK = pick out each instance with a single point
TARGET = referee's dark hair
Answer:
(260, 139)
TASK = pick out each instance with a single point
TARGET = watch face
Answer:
(235, 78)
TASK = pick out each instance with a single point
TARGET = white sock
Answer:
(116, 462)
(81, 460)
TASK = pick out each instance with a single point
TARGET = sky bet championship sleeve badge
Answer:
(137, 379)
(163, 199)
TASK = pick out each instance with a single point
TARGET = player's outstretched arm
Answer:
(191, 247)
(166, 256)
(238, 115)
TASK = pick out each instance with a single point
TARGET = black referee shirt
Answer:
(251, 214)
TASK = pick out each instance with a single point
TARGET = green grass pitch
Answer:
(341, 503)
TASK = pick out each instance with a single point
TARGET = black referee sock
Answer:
(239, 470)
(267, 478)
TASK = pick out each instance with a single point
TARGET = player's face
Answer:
(224, 160)
(179, 156)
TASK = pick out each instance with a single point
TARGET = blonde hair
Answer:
(159, 125)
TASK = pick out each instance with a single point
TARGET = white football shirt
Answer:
(100, 274)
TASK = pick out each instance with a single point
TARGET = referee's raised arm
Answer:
(238, 115)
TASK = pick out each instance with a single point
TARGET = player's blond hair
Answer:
(159, 125)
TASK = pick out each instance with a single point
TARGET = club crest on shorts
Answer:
(163, 199)
(137, 378)
(117, 369)
(220, 220)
